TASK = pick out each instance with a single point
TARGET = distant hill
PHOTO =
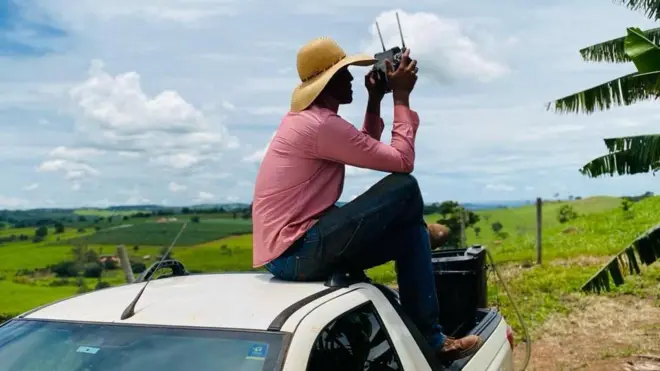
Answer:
(496, 204)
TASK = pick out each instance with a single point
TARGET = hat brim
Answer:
(306, 92)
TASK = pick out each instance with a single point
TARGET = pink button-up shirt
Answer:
(302, 173)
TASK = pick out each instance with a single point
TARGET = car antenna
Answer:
(130, 309)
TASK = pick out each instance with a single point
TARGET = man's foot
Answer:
(453, 349)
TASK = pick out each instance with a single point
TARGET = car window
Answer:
(27, 345)
(356, 340)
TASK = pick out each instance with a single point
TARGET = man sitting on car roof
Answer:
(299, 233)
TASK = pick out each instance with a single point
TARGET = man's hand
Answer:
(375, 88)
(403, 79)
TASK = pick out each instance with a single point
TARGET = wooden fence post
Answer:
(539, 229)
(125, 263)
(462, 219)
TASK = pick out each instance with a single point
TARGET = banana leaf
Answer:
(644, 53)
(625, 90)
(627, 156)
(612, 51)
(650, 8)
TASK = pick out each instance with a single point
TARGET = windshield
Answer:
(28, 345)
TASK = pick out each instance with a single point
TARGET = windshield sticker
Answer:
(88, 350)
(257, 352)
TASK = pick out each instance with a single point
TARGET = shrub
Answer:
(110, 264)
(59, 228)
(82, 286)
(41, 232)
(92, 270)
(566, 213)
(626, 205)
(65, 269)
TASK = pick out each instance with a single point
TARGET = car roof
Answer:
(226, 300)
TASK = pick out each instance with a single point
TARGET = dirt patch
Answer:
(581, 261)
(600, 333)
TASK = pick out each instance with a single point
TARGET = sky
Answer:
(173, 102)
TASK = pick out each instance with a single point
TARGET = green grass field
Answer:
(104, 213)
(572, 253)
(153, 233)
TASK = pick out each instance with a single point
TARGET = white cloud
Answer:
(79, 12)
(440, 45)
(500, 187)
(74, 154)
(118, 106)
(228, 106)
(354, 171)
(137, 200)
(11, 202)
(72, 169)
(177, 160)
(174, 187)
(115, 116)
(258, 156)
(268, 110)
(204, 197)
(31, 187)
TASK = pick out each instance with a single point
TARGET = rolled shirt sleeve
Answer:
(338, 140)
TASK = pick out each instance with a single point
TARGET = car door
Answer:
(351, 332)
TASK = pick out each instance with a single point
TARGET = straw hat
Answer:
(317, 62)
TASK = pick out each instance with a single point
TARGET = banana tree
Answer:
(627, 155)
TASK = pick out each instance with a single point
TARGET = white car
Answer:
(237, 322)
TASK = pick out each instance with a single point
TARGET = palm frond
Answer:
(628, 156)
(622, 91)
(650, 8)
(613, 50)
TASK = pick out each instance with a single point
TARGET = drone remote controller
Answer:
(394, 55)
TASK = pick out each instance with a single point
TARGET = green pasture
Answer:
(52, 237)
(164, 233)
(104, 213)
(572, 253)
(228, 221)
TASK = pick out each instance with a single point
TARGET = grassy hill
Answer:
(573, 251)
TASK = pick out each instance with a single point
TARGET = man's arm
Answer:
(340, 141)
(373, 124)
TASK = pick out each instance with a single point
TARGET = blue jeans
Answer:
(384, 224)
